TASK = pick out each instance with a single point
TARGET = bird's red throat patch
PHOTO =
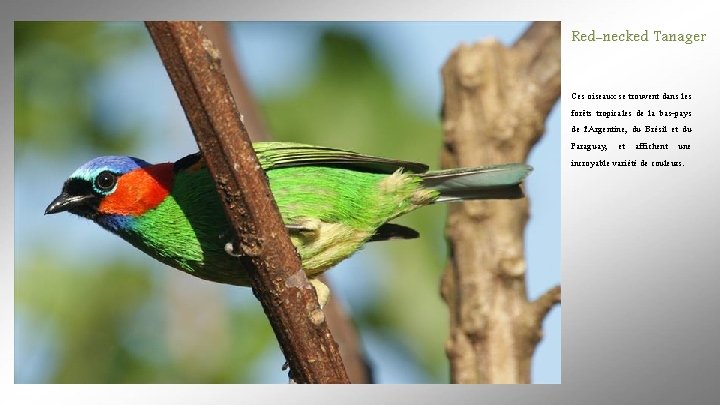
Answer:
(139, 191)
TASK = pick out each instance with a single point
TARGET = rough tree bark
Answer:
(217, 32)
(268, 256)
(495, 103)
(341, 326)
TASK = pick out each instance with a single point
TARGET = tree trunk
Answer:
(495, 104)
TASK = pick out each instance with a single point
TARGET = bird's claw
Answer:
(230, 247)
(231, 250)
(291, 379)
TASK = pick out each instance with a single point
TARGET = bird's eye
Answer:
(105, 181)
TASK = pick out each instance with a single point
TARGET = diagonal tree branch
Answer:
(217, 32)
(268, 256)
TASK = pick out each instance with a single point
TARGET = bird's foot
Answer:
(291, 379)
(231, 250)
(231, 246)
(307, 226)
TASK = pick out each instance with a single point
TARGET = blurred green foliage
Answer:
(111, 325)
(56, 65)
(88, 322)
(114, 321)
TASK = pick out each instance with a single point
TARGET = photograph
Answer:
(209, 202)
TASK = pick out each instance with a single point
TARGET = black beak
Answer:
(65, 202)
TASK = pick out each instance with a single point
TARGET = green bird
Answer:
(332, 201)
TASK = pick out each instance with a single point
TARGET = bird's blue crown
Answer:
(115, 164)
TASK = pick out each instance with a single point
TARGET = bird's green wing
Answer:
(274, 155)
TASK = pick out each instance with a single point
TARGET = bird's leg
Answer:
(309, 227)
(230, 245)
(304, 225)
(230, 248)
(291, 378)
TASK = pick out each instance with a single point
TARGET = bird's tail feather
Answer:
(490, 182)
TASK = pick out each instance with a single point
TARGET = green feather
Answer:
(289, 154)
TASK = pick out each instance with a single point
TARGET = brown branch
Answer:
(544, 303)
(268, 256)
(342, 328)
(217, 32)
(494, 108)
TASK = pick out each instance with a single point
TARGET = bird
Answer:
(332, 202)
